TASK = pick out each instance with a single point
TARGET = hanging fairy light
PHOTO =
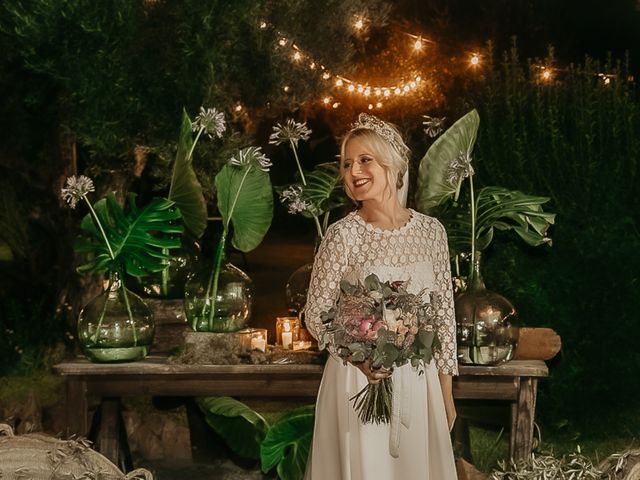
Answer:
(339, 82)
(417, 45)
(546, 74)
(282, 42)
(297, 56)
(286, 88)
(326, 76)
(326, 100)
(474, 60)
(263, 25)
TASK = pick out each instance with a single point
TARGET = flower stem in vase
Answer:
(128, 305)
(212, 287)
(165, 276)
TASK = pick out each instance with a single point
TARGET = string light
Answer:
(238, 108)
(400, 88)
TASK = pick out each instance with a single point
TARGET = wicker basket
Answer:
(41, 457)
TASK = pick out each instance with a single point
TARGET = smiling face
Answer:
(363, 176)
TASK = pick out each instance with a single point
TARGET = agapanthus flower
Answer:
(289, 132)
(460, 167)
(292, 199)
(211, 121)
(76, 188)
(250, 155)
(434, 125)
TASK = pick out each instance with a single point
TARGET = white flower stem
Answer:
(318, 227)
(129, 312)
(195, 141)
(473, 226)
(295, 154)
(99, 225)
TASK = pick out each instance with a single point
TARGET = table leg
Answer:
(77, 406)
(522, 418)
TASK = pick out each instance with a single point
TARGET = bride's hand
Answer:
(374, 375)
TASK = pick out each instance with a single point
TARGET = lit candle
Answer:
(287, 335)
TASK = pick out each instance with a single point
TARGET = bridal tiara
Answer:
(383, 129)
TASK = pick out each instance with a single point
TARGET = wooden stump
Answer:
(537, 344)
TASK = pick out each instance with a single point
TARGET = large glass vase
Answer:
(487, 323)
(170, 283)
(116, 326)
(219, 303)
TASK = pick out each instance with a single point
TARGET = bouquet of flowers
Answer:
(383, 323)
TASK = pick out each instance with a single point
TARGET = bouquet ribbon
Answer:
(400, 406)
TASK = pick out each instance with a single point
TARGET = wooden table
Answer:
(514, 382)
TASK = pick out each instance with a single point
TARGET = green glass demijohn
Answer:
(487, 323)
(219, 304)
(116, 326)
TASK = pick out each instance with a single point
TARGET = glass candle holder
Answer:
(254, 339)
(287, 331)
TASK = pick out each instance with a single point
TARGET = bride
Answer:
(381, 236)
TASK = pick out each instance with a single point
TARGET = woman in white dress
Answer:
(383, 237)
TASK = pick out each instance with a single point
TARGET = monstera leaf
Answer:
(434, 183)
(502, 209)
(245, 200)
(288, 442)
(241, 427)
(135, 237)
(185, 190)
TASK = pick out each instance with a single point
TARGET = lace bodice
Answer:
(416, 252)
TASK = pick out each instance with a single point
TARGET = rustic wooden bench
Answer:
(514, 383)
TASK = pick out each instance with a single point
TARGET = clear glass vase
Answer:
(170, 283)
(297, 287)
(116, 326)
(487, 323)
(220, 306)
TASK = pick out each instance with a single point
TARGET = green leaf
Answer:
(245, 200)
(241, 427)
(324, 188)
(372, 282)
(136, 237)
(185, 190)
(433, 189)
(288, 442)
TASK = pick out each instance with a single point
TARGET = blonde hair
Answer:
(392, 156)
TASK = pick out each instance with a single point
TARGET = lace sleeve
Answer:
(446, 359)
(329, 266)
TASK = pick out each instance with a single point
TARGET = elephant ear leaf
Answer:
(434, 186)
(245, 199)
(138, 239)
(242, 428)
(324, 188)
(288, 442)
(185, 190)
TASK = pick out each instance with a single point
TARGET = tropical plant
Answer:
(315, 193)
(119, 240)
(284, 445)
(245, 202)
(471, 227)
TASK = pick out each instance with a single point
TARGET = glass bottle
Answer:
(487, 323)
(116, 326)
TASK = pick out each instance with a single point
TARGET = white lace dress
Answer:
(416, 444)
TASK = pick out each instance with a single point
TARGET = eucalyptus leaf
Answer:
(434, 187)
(245, 200)
(136, 236)
(185, 189)
(241, 427)
(288, 442)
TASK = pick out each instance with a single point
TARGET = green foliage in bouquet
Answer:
(470, 226)
(283, 445)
